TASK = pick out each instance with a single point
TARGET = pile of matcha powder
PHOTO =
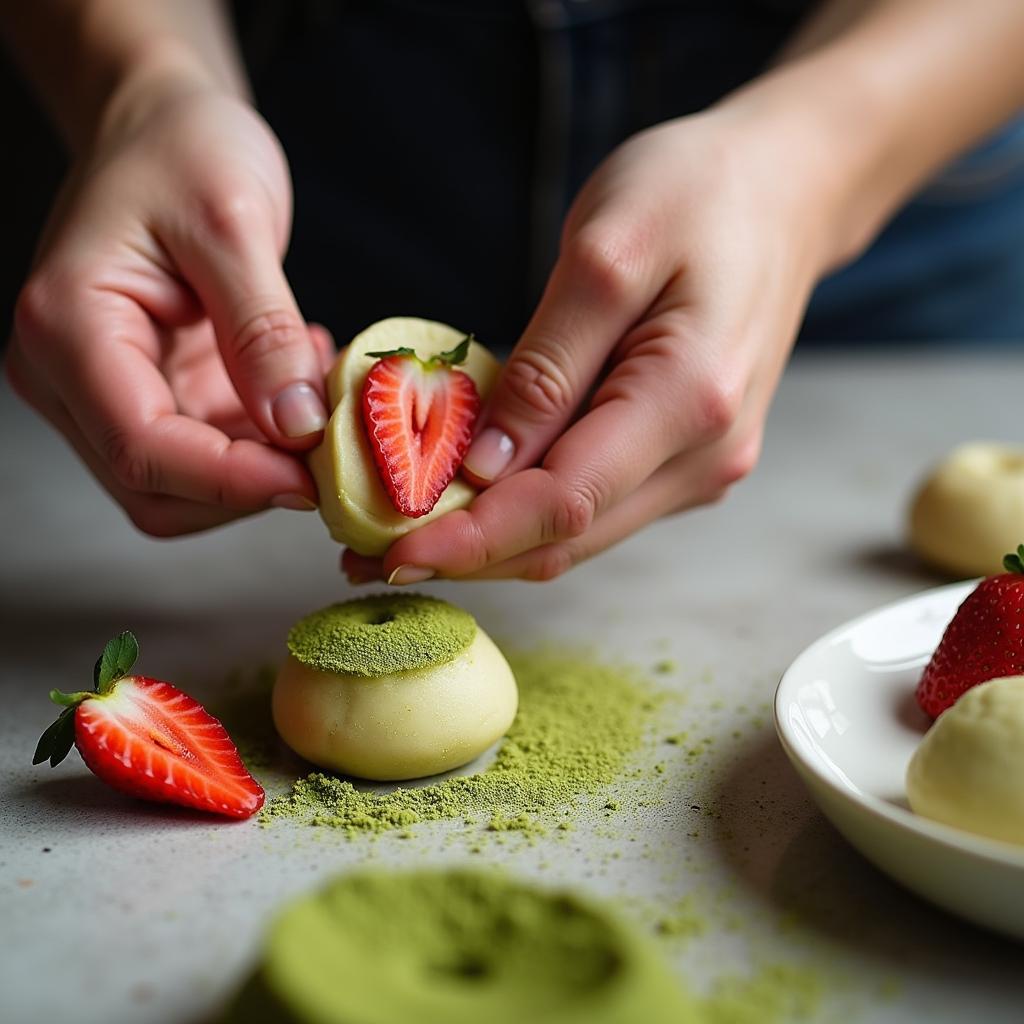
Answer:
(578, 723)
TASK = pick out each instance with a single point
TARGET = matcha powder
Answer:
(381, 635)
(578, 723)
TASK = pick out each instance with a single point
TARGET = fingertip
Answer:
(360, 569)
(490, 454)
(299, 414)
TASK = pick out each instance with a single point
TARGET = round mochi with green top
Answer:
(458, 947)
(392, 686)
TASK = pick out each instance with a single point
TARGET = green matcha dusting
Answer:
(381, 635)
(578, 724)
(465, 946)
(776, 993)
(460, 947)
(681, 921)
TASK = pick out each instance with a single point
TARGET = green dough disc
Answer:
(381, 635)
(458, 947)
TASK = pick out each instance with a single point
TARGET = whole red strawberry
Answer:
(147, 738)
(984, 640)
(419, 418)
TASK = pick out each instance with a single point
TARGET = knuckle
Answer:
(718, 405)
(131, 466)
(266, 336)
(574, 512)
(539, 383)
(609, 260)
(33, 308)
(477, 547)
(549, 563)
(739, 463)
(229, 211)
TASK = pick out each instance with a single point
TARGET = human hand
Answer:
(157, 331)
(641, 385)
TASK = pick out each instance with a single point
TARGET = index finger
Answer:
(100, 354)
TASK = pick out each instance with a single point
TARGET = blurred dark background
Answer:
(31, 169)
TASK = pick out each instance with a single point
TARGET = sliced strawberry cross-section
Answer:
(419, 417)
(146, 738)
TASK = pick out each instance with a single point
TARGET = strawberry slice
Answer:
(984, 640)
(148, 739)
(419, 417)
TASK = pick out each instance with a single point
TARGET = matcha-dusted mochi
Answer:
(395, 686)
(353, 502)
(456, 947)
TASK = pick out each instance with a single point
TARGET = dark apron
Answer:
(435, 147)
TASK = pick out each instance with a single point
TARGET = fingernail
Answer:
(297, 502)
(406, 574)
(489, 454)
(298, 411)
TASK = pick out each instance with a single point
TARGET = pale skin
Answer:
(158, 334)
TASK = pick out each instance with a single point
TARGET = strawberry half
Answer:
(984, 640)
(147, 738)
(419, 418)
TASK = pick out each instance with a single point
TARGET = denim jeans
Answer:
(436, 145)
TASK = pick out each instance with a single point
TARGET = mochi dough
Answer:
(970, 512)
(354, 504)
(431, 711)
(969, 769)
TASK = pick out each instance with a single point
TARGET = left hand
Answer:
(641, 385)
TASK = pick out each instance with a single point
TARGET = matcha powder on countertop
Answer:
(578, 723)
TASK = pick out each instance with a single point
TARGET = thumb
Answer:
(595, 294)
(271, 357)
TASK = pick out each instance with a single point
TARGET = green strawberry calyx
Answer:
(116, 661)
(453, 357)
(1015, 562)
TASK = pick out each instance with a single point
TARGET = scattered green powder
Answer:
(578, 723)
(681, 921)
(465, 946)
(777, 992)
(382, 634)
(460, 947)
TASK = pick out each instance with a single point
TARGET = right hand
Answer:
(157, 331)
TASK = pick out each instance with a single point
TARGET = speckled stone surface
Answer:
(112, 911)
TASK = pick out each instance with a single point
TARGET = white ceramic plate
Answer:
(847, 718)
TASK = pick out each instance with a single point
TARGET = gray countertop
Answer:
(114, 911)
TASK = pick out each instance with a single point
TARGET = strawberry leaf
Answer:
(116, 661)
(391, 352)
(1015, 561)
(455, 355)
(57, 741)
(69, 700)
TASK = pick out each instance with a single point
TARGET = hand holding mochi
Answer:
(409, 358)
(395, 686)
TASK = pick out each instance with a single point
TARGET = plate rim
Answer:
(995, 851)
